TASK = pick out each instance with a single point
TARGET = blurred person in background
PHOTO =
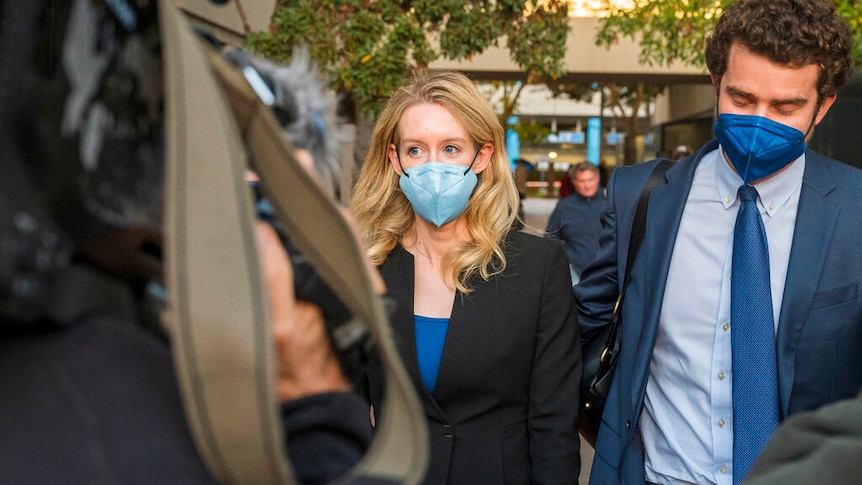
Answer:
(576, 219)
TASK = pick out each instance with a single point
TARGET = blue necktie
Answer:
(755, 383)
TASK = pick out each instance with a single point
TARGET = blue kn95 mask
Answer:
(438, 192)
(756, 146)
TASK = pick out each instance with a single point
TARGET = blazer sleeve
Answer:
(555, 378)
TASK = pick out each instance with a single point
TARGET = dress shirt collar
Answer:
(774, 192)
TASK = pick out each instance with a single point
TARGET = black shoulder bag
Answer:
(602, 352)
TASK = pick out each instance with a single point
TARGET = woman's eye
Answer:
(450, 150)
(413, 151)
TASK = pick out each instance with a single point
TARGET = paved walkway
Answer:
(536, 214)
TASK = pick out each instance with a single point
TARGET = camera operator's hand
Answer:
(306, 362)
(303, 157)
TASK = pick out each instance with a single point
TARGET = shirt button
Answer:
(721, 376)
(722, 469)
(725, 327)
(628, 424)
(720, 423)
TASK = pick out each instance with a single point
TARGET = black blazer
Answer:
(504, 409)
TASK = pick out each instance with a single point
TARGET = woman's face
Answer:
(429, 133)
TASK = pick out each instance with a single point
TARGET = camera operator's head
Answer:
(305, 107)
(81, 107)
(81, 112)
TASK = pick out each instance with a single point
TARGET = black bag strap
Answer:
(639, 224)
(638, 231)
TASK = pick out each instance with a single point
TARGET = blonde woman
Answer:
(486, 320)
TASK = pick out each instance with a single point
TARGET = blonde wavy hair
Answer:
(385, 215)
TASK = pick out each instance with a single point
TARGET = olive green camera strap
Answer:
(217, 315)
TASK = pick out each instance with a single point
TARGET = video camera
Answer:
(304, 107)
(349, 337)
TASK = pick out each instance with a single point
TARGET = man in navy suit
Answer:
(776, 67)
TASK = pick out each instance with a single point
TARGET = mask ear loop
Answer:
(715, 108)
(469, 167)
(811, 125)
(398, 156)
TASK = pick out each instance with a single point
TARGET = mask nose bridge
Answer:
(752, 144)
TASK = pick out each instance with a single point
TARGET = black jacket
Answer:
(96, 402)
(504, 408)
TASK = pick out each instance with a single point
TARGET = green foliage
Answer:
(667, 30)
(532, 132)
(369, 47)
(851, 10)
(538, 43)
(675, 30)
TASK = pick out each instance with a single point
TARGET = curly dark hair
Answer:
(789, 32)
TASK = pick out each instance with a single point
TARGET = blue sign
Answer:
(648, 139)
(576, 137)
(614, 137)
(513, 146)
(594, 140)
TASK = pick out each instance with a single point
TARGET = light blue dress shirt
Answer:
(686, 422)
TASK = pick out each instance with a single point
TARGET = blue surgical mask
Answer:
(439, 192)
(756, 146)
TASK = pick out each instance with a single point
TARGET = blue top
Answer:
(430, 335)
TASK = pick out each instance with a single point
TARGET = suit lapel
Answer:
(400, 283)
(815, 224)
(666, 204)
(455, 347)
(663, 218)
